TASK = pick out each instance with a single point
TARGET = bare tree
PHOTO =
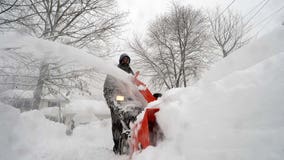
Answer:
(59, 79)
(229, 31)
(16, 71)
(4, 7)
(51, 76)
(172, 53)
(74, 22)
(81, 23)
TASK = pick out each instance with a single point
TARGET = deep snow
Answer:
(235, 112)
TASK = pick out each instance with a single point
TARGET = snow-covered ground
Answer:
(234, 113)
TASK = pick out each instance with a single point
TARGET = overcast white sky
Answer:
(141, 12)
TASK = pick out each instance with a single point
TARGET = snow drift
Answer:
(30, 136)
(235, 112)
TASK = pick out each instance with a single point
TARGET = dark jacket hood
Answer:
(122, 56)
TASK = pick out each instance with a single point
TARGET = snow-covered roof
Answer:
(28, 94)
(54, 97)
(17, 93)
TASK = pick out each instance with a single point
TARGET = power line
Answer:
(233, 1)
(266, 18)
(256, 6)
(262, 28)
(258, 11)
(275, 12)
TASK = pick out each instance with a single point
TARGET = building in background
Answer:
(23, 99)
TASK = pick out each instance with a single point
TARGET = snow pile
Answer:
(82, 111)
(8, 118)
(248, 56)
(235, 112)
(87, 111)
(30, 136)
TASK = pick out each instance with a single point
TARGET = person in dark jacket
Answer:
(124, 62)
(120, 116)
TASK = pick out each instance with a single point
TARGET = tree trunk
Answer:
(184, 77)
(39, 87)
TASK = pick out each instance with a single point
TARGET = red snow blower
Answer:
(147, 131)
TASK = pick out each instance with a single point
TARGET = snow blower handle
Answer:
(143, 89)
(136, 81)
(136, 74)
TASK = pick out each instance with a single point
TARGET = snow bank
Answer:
(9, 117)
(235, 113)
(248, 55)
(30, 136)
(87, 111)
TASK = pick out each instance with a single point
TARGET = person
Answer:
(120, 116)
(124, 63)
